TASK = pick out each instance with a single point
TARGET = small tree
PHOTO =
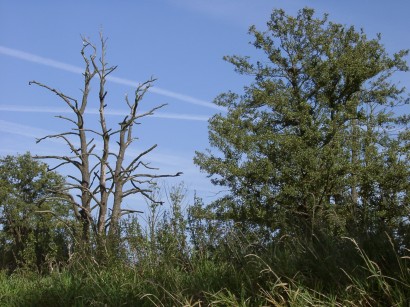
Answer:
(104, 179)
(34, 221)
(310, 144)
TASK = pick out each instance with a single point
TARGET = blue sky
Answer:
(180, 42)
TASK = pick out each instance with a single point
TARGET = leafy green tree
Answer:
(314, 142)
(33, 216)
(163, 240)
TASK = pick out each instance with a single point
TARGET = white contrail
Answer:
(35, 133)
(24, 130)
(61, 110)
(40, 60)
(22, 55)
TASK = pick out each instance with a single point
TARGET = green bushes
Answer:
(166, 268)
(206, 283)
(34, 216)
(180, 255)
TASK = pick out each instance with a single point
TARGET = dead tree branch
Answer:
(105, 177)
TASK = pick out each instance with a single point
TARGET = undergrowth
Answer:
(207, 282)
(181, 259)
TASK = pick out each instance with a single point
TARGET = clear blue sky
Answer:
(180, 42)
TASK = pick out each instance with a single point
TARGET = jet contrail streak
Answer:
(30, 109)
(22, 55)
(34, 132)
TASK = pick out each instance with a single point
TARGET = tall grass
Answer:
(206, 283)
(172, 262)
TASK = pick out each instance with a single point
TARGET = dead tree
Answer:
(104, 179)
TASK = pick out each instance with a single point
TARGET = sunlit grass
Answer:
(205, 283)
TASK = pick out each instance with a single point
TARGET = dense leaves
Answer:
(315, 156)
(313, 143)
(33, 214)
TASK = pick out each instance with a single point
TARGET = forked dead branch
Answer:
(106, 178)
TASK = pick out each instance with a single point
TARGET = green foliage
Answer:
(317, 164)
(256, 282)
(163, 240)
(236, 270)
(33, 216)
(314, 142)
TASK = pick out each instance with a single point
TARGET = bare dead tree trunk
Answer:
(104, 166)
(81, 155)
(98, 182)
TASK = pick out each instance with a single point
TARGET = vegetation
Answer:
(316, 160)
(108, 175)
(34, 218)
(309, 146)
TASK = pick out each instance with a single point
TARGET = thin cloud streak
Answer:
(166, 93)
(39, 60)
(23, 130)
(30, 109)
(36, 133)
(78, 70)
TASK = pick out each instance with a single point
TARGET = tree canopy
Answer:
(315, 154)
(314, 141)
(34, 217)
